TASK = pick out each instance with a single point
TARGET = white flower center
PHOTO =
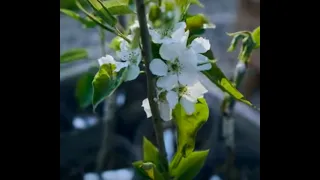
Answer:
(165, 32)
(132, 56)
(175, 66)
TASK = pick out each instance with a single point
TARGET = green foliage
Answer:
(87, 23)
(84, 90)
(256, 37)
(187, 127)
(136, 39)
(147, 170)
(154, 13)
(73, 55)
(190, 166)
(217, 77)
(95, 19)
(250, 41)
(103, 12)
(197, 2)
(115, 43)
(105, 82)
(197, 24)
(118, 7)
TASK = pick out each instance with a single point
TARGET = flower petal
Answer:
(187, 105)
(170, 51)
(106, 60)
(123, 55)
(189, 59)
(184, 39)
(200, 45)
(197, 90)
(155, 36)
(120, 65)
(165, 111)
(172, 98)
(124, 45)
(158, 67)
(204, 63)
(168, 82)
(133, 72)
(146, 107)
(178, 31)
(188, 78)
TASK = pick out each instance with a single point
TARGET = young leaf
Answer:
(197, 2)
(217, 77)
(256, 37)
(94, 18)
(137, 166)
(197, 24)
(73, 55)
(188, 126)
(151, 154)
(84, 90)
(118, 7)
(105, 82)
(103, 12)
(115, 43)
(87, 23)
(147, 170)
(136, 39)
(190, 166)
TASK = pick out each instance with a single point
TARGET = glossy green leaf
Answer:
(147, 169)
(234, 42)
(103, 12)
(138, 168)
(118, 7)
(187, 127)
(197, 2)
(87, 23)
(151, 154)
(190, 166)
(115, 43)
(73, 55)
(197, 24)
(256, 37)
(97, 20)
(105, 82)
(217, 77)
(84, 90)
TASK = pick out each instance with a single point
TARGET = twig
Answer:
(146, 44)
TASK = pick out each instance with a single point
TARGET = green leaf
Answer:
(188, 126)
(73, 55)
(105, 82)
(103, 12)
(138, 168)
(154, 13)
(97, 20)
(115, 43)
(87, 23)
(235, 41)
(136, 39)
(151, 154)
(197, 2)
(218, 78)
(256, 37)
(118, 7)
(190, 166)
(147, 170)
(197, 24)
(84, 90)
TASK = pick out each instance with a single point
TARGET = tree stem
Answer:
(146, 44)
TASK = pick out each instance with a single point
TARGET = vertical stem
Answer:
(102, 41)
(146, 44)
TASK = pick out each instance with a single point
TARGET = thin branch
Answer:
(146, 44)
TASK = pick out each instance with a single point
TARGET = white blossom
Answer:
(168, 33)
(130, 58)
(198, 46)
(179, 65)
(187, 96)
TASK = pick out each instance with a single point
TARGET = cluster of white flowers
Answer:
(127, 58)
(176, 71)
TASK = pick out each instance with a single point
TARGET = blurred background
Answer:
(108, 141)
